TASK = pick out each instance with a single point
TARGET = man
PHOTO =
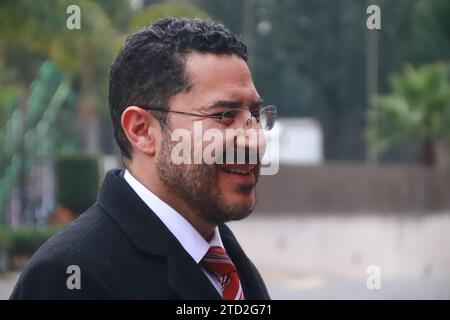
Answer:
(157, 230)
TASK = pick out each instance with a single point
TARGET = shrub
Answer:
(25, 241)
(5, 237)
(77, 181)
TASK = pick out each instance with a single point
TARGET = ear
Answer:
(141, 129)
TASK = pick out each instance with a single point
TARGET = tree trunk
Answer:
(428, 152)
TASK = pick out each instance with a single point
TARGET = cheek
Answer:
(228, 149)
(213, 146)
(163, 145)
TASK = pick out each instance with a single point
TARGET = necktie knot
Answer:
(217, 261)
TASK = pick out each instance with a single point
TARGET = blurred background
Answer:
(364, 127)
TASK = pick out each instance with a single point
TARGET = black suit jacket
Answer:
(124, 251)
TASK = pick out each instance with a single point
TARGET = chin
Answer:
(235, 194)
(235, 207)
(243, 200)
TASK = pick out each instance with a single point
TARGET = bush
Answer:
(17, 245)
(77, 181)
(5, 237)
(4, 246)
(25, 241)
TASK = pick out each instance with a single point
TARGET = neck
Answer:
(192, 215)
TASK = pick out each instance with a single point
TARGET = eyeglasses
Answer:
(265, 117)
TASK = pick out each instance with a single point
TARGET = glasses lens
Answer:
(235, 116)
(268, 116)
(228, 117)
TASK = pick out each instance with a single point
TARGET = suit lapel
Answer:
(150, 236)
(187, 279)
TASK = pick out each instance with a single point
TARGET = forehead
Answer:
(218, 77)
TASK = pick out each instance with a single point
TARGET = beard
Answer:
(197, 185)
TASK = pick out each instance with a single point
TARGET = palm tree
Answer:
(417, 111)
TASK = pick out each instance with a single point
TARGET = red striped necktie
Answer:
(217, 261)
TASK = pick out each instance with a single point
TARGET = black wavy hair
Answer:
(150, 68)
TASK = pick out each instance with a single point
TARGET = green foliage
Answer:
(77, 181)
(5, 237)
(119, 12)
(416, 110)
(42, 30)
(177, 9)
(312, 61)
(433, 29)
(26, 240)
(9, 92)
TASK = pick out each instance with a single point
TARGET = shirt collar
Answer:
(184, 232)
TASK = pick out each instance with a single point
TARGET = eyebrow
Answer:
(234, 104)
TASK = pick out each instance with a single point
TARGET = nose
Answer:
(252, 140)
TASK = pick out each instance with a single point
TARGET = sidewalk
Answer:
(327, 257)
(7, 282)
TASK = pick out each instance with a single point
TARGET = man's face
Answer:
(219, 82)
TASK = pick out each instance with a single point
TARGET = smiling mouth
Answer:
(239, 169)
(240, 174)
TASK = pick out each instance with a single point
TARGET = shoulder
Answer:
(81, 236)
(75, 249)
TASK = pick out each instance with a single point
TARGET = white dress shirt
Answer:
(189, 238)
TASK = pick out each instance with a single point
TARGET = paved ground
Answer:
(327, 257)
(7, 282)
(316, 287)
(320, 287)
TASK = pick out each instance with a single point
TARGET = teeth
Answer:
(234, 170)
(238, 171)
